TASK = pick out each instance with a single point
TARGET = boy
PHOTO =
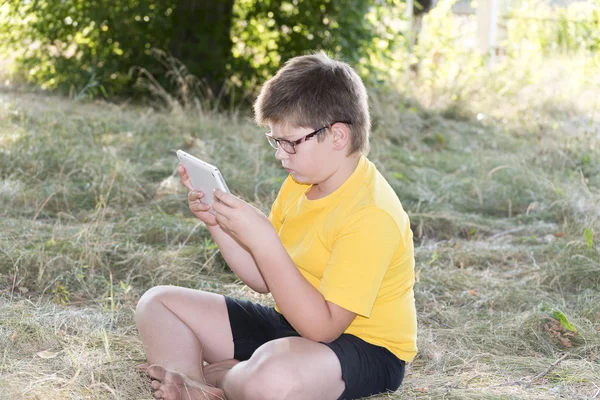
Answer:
(336, 253)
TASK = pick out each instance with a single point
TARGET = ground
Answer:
(502, 192)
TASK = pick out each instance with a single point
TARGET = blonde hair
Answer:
(314, 91)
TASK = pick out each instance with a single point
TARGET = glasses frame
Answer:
(276, 143)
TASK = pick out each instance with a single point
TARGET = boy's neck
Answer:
(337, 179)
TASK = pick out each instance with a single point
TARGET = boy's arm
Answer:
(237, 257)
(239, 260)
(302, 305)
(360, 257)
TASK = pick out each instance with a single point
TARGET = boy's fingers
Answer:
(185, 179)
(200, 207)
(221, 219)
(226, 198)
(195, 196)
(197, 205)
(221, 208)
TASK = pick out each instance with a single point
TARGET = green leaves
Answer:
(67, 44)
(88, 49)
(266, 33)
(558, 315)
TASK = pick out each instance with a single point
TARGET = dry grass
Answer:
(93, 216)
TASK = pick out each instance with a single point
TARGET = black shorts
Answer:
(367, 369)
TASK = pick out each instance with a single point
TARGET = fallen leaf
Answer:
(47, 354)
(558, 332)
(473, 292)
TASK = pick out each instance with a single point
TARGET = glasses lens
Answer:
(288, 147)
(272, 142)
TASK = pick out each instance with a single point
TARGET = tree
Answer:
(420, 8)
(84, 46)
(268, 32)
(90, 47)
(200, 38)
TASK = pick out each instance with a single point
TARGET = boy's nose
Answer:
(281, 154)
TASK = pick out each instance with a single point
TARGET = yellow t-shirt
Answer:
(355, 246)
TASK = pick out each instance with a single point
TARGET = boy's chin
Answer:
(300, 179)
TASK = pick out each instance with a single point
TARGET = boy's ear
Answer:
(341, 135)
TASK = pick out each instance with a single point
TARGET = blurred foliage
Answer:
(549, 29)
(201, 51)
(363, 32)
(89, 48)
(83, 47)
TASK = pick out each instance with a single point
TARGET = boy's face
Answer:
(314, 160)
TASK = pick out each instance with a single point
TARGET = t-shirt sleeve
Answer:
(361, 254)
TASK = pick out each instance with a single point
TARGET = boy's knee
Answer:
(148, 299)
(268, 379)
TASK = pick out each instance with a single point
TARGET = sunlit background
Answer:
(486, 123)
(100, 48)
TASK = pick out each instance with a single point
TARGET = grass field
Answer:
(501, 179)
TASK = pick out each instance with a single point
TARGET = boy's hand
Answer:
(199, 209)
(241, 220)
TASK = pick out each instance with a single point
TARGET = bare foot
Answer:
(142, 367)
(215, 372)
(169, 385)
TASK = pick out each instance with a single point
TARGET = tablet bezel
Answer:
(203, 176)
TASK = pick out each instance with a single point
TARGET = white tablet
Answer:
(203, 176)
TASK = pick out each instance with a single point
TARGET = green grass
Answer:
(501, 186)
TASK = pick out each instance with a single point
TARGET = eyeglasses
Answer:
(289, 146)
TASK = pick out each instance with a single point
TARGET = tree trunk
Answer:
(201, 38)
(422, 6)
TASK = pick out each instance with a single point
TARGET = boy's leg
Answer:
(292, 368)
(181, 328)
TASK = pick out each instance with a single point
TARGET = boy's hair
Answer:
(314, 91)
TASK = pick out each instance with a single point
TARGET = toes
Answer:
(169, 385)
(172, 391)
(156, 372)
